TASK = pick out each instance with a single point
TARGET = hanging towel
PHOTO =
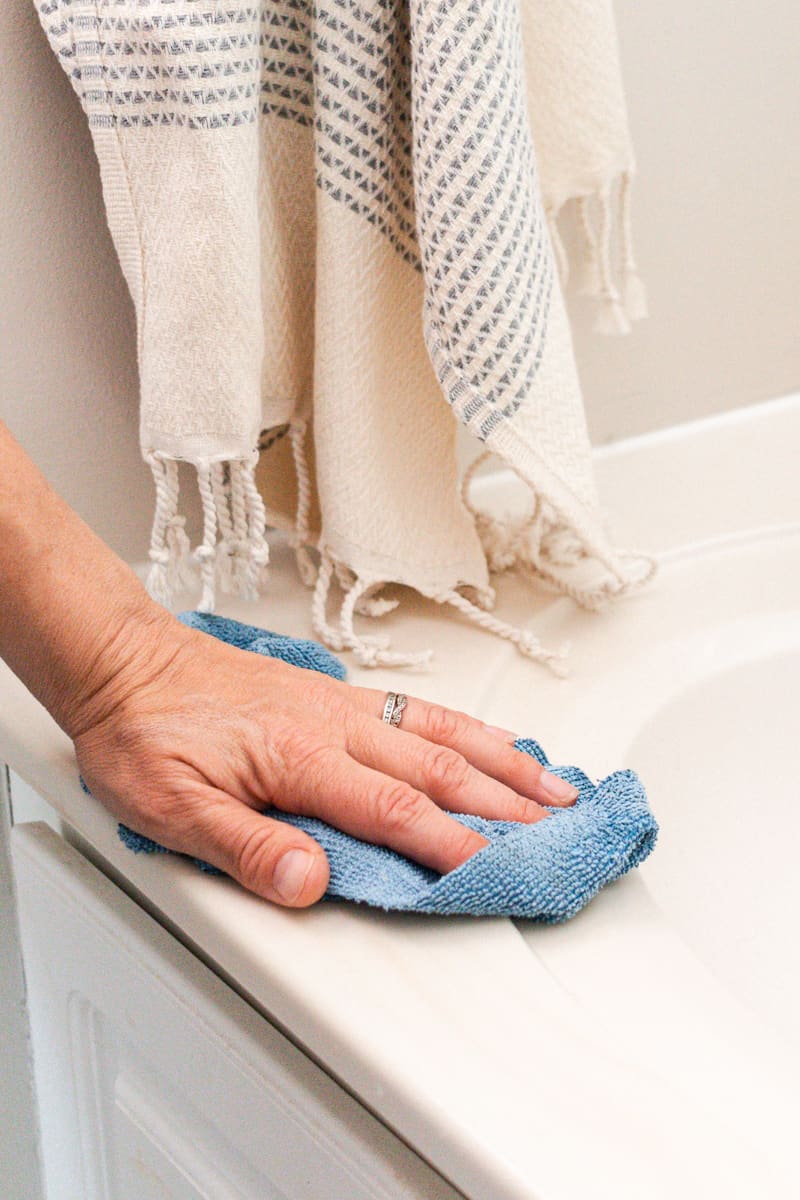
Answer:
(331, 220)
(547, 871)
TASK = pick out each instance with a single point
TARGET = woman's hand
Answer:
(191, 738)
(186, 739)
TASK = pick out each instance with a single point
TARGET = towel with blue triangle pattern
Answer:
(547, 871)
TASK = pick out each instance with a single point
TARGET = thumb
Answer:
(268, 857)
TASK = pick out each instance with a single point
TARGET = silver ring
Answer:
(393, 708)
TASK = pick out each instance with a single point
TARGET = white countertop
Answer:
(472, 1038)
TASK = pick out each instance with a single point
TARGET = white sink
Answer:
(689, 969)
(727, 779)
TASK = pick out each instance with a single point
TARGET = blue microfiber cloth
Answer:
(547, 871)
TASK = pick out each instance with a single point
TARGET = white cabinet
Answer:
(157, 1082)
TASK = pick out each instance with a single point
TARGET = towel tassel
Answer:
(373, 650)
(588, 282)
(370, 650)
(610, 318)
(524, 639)
(229, 543)
(537, 542)
(256, 517)
(233, 555)
(366, 604)
(618, 305)
(634, 293)
(232, 508)
(301, 538)
(169, 546)
(205, 553)
(540, 544)
(319, 605)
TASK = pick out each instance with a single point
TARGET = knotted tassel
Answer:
(372, 650)
(610, 318)
(587, 277)
(301, 537)
(526, 641)
(170, 571)
(634, 293)
(206, 553)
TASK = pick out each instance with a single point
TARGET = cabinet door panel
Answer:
(157, 1082)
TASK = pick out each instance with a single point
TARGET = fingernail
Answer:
(556, 787)
(291, 874)
(505, 734)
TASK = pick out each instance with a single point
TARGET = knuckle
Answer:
(442, 724)
(166, 810)
(447, 770)
(317, 689)
(302, 751)
(464, 844)
(533, 812)
(522, 809)
(398, 807)
(339, 709)
(518, 768)
(148, 815)
(255, 854)
(170, 818)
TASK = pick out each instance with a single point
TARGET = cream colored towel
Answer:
(331, 220)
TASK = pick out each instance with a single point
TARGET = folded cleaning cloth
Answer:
(547, 871)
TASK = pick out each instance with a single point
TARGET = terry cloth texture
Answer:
(547, 871)
(299, 652)
(333, 226)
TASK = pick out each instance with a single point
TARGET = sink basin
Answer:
(723, 754)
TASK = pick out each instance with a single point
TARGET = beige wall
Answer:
(714, 93)
(67, 350)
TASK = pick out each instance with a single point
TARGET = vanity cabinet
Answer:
(157, 1081)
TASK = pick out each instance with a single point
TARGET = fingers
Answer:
(377, 808)
(488, 749)
(266, 856)
(441, 773)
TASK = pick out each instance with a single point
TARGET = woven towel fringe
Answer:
(634, 293)
(537, 543)
(620, 299)
(169, 546)
(302, 541)
(540, 544)
(373, 650)
(233, 551)
(369, 650)
(525, 641)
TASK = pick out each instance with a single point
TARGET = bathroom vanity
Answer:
(190, 1040)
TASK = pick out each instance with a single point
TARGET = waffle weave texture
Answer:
(337, 221)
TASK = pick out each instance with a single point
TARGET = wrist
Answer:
(76, 625)
(133, 648)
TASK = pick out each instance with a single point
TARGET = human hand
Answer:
(192, 738)
(186, 739)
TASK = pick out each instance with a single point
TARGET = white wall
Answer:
(714, 95)
(714, 91)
